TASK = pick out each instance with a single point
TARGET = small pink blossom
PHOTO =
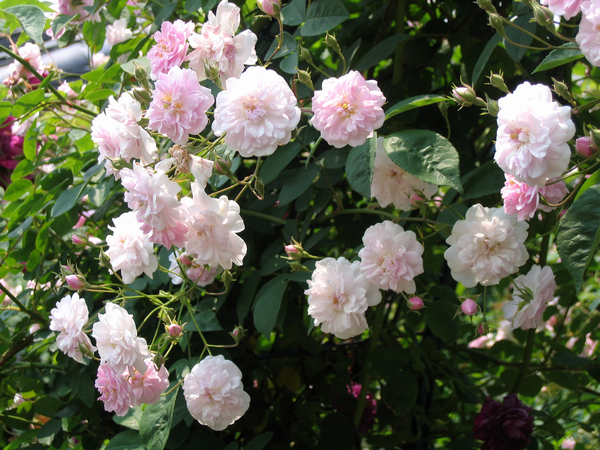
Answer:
(585, 146)
(519, 198)
(75, 282)
(217, 49)
(114, 389)
(147, 387)
(391, 257)
(179, 105)
(554, 192)
(171, 47)
(348, 109)
(469, 307)
(257, 112)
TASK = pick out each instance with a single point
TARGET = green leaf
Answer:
(34, 260)
(591, 181)
(570, 359)
(380, 52)
(126, 440)
(294, 13)
(260, 441)
(288, 46)
(565, 54)
(278, 161)
(23, 169)
(94, 35)
(289, 64)
(531, 386)
(59, 22)
(248, 291)
(28, 102)
(519, 37)
(440, 318)
(425, 155)
(21, 228)
(401, 400)
(155, 424)
(298, 182)
(323, 15)
(359, 166)
(84, 386)
(5, 109)
(115, 7)
(7, 3)
(41, 240)
(32, 20)
(98, 94)
(268, 303)
(563, 379)
(486, 179)
(131, 419)
(578, 235)
(412, 103)
(18, 189)
(131, 66)
(47, 406)
(484, 57)
(66, 200)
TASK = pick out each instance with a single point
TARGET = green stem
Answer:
(379, 213)
(526, 361)
(246, 212)
(23, 308)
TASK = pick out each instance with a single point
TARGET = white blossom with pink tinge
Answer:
(214, 392)
(130, 249)
(519, 198)
(588, 36)
(217, 47)
(213, 225)
(153, 197)
(179, 105)
(531, 295)
(118, 343)
(114, 390)
(393, 185)
(533, 132)
(69, 317)
(171, 47)
(565, 8)
(391, 257)
(338, 297)
(486, 247)
(348, 109)
(148, 387)
(257, 112)
(118, 32)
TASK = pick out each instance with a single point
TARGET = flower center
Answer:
(254, 110)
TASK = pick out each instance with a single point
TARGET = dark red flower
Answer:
(11, 147)
(505, 426)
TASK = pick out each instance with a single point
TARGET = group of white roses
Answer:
(256, 113)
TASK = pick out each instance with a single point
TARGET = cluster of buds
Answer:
(295, 253)
(73, 277)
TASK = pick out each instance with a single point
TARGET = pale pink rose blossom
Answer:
(568, 443)
(486, 247)
(73, 7)
(554, 192)
(69, 317)
(179, 105)
(153, 197)
(257, 112)
(531, 295)
(213, 225)
(118, 343)
(114, 389)
(338, 297)
(347, 109)
(31, 53)
(533, 131)
(588, 36)
(565, 8)
(519, 198)
(391, 257)
(585, 146)
(217, 48)
(130, 249)
(214, 393)
(147, 388)
(118, 32)
(393, 185)
(171, 47)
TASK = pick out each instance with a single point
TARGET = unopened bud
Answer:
(483, 329)
(415, 303)
(561, 89)
(469, 307)
(259, 186)
(486, 5)
(305, 54)
(497, 80)
(304, 77)
(543, 16)
(293, 252)
(238, 334)
(174, 330)
(104, 259)
(142, 95)
(492, 107)
(141, 74)
(585, 146)
(75, 282)
(185, 260)
(159, 360)
(464, 95)
(79, 240)
(119, 163)
(496, 23)
(222, 167)
(333, 43)
(270, 7)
